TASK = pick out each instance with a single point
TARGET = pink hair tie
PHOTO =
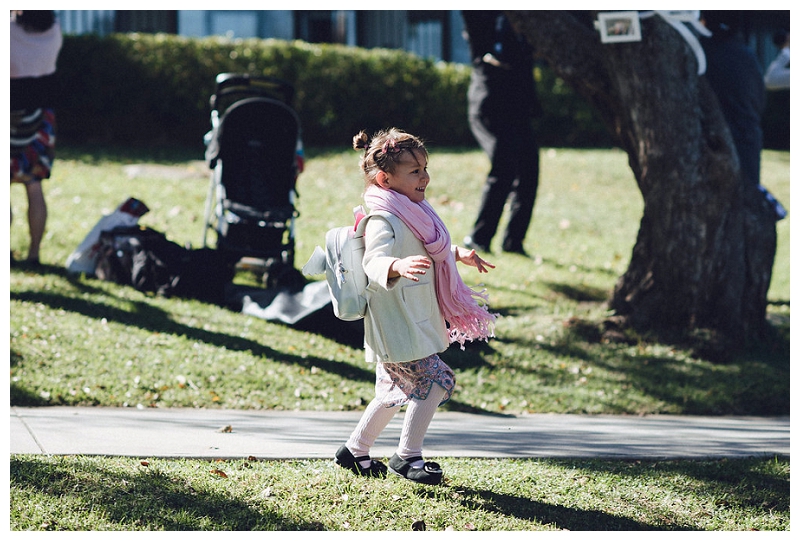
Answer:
(389, 143)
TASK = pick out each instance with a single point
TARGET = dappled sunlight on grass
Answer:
(76, 340)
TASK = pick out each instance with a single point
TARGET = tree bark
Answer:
(703, 256)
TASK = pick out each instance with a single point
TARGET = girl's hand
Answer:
(472, 259)
(410, 267)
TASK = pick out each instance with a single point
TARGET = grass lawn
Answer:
(95, 493)
(81, 341)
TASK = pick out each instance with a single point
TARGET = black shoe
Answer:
(515, 249)
(430, 474)
(345, 459)
(28, 264)
(470, 244)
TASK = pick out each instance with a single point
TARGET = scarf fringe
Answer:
(471, 328)
(472, 324)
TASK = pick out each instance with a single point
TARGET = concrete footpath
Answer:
(232, 434)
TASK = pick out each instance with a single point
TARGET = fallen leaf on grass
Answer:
(220, 473)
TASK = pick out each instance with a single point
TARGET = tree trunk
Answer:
(706, 244)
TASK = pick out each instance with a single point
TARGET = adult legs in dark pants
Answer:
(514, 178)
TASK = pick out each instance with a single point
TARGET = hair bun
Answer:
(361, 140)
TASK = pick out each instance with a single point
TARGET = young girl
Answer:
(418, 305)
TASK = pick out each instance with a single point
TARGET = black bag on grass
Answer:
(145, 259)
(116, 249)
(157, 265)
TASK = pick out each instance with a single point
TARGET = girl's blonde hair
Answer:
(382, 151)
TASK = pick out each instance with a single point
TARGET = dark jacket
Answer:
(492, 87)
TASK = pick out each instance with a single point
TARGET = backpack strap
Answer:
(391, 218)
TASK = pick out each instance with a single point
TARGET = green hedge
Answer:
(144, 89)
(149, 90)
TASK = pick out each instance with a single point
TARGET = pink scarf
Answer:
(466, 318)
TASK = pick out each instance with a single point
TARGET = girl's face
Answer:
(410, 177)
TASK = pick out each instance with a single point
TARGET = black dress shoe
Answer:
(515, 249)
(346, 460)
(430, 473)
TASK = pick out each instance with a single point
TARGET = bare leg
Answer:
(37, 217)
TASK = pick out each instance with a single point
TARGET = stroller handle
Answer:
(247, 85)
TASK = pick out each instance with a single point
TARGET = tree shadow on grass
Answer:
(143, 498)
(755, 486)
(527, 509)
(322, 322)
(580, 293)
(148, 317)
(558, 516)
(757, 384)
(20, 396)
(151, 318)
(325, 323)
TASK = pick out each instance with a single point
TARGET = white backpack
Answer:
(342, 263)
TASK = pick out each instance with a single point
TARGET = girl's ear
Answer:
(382, 179)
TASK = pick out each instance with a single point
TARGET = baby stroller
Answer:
(255, 152)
